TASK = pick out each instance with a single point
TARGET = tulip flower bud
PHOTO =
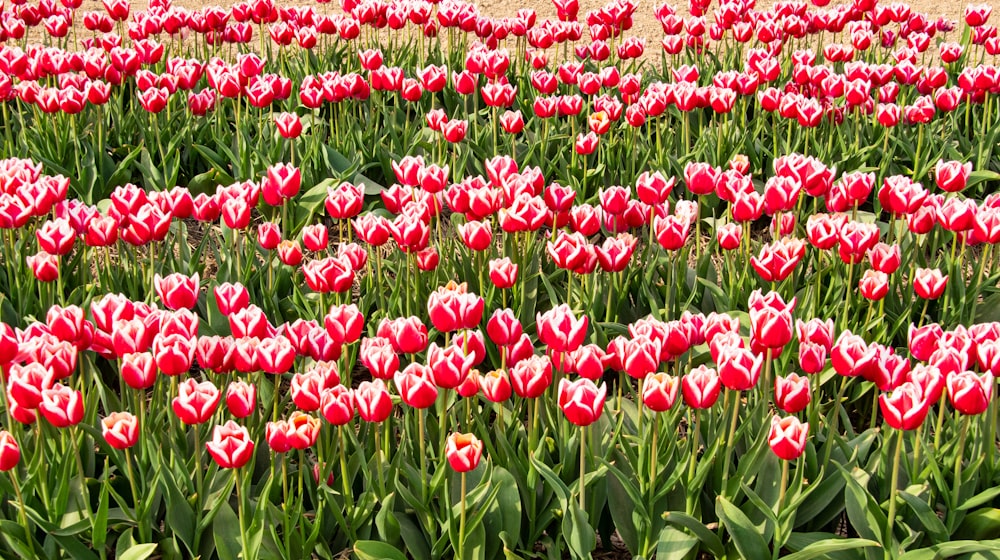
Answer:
(463, 451)
(791, 393)
(10, 453)
(230, 446)
(788, 437)
(581, 401)
(120, 429)
(659, 391)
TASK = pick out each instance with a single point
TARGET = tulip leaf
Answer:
(932, 524)
(983, 497)
(980, 524)
(863, 511)
(950, 549)
(375, 550)
(180, 514)
(675, 543)
(823, 548)
(139, 552)
(746, 536)
(577, 532)
(707, 537)
(226, 532)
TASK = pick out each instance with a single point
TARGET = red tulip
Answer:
(640, 356)
(454, 130)
(874, 285)
(373, 401)
(463, 451)
(230, 446)
(288, 124)
(496, 386)
(344, 323)
(44, 266)
(379, 356)
(26, 383)
(788, 437)
(701, 387)
(952, 176)
(61, 406)
(177, 291)
(560, 330)
(241, 398)
(268, 235)
(196, 402)
(660, 391)
(503, 328)
(770, 320)
(307, 390)
(337, 405)
(970, 394)
(10, 453)
(138, 370)
(929, 283)
(416, 385)
(885, 258)
(581, 401)
(450, 365)
(231, 297)
(906, 407)
(791, 393)
(531, 376)
(739, 369)
(120, 429)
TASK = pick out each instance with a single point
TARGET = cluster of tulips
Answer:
(415, 278)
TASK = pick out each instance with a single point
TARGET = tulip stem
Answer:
(890, 519)
(21, 512)
(730, 436)
(423, 453)
(832, 431)
(239, 509)
(959, 455)
(778, 536)
(583, 466)
(139, 517)
(461, 523)
(939, 426)
(694, 436)
(198, 474)
(378, 461)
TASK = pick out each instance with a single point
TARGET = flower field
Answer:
(400, 279)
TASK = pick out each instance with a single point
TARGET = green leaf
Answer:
(821, 549)
(708, 538)
(675, 543)
(745, 535)
(954, 548)
(577, 532)
(139, 552)
(983, 497)
(375, 550)
(931, 523)
(226, 531)
(980, 524)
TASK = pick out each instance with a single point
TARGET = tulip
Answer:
(496, 386)
(44, 266)
(10, 453)
(791, 393)
(788, 437)
(560, 330)
(307, 389)
(231, 297)
(503, 327)
(241, 398)
(929, 283)
(337, 405)
(373, 401)
(415, 384)
(344, 324)
(176, 290)
(61, 406)
(196, 402)
(739, 369)
(288, 124)
(581, 401)
(660, 391)
(906, 407)
(230, 446)
(970, 394)
(874, 285)
(952, 176)
(463, 451)
(120, 429)
(531, 376)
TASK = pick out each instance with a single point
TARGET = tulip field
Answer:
(391, 279)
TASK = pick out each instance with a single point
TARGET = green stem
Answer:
(583, 466)
(423, 453)
(693, 462)
(891, 517)
(461, 524)
(21, 511)
(731, 436)
(778, 536)
(959, 456)
(239, 506)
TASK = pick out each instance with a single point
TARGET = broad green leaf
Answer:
(675, 543)
(954, 548)
(375, 550)
(745, 535)
(139, 552)
(822, 549)
(707, 537)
